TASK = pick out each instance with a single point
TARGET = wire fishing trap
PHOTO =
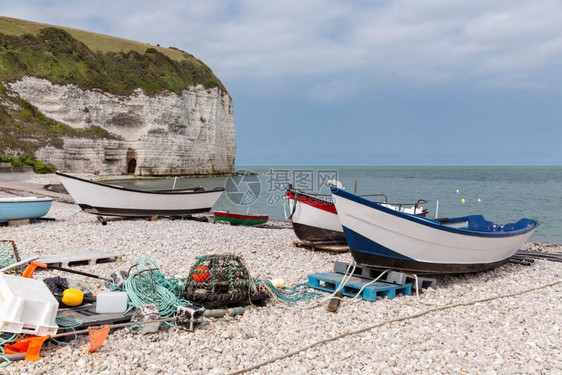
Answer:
(220, 278)
(8, 253)
(225, 278)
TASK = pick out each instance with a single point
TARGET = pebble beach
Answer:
(505, 321)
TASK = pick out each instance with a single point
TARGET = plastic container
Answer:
(27, 306)
(111, 302)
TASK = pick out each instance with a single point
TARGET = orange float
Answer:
(201, 274)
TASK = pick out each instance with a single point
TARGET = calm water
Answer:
(506, 194)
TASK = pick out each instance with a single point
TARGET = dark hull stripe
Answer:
(310, 233)
(375, 261)
(220, 214)
(111, 211)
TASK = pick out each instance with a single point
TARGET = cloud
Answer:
(282, 43)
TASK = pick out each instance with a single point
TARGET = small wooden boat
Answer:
(239, 219)
(18, 208)
(111, 200)
(315, 219)
(381, 237)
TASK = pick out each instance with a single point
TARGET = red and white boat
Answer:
(315, 219)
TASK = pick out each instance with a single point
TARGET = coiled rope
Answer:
(146, 285)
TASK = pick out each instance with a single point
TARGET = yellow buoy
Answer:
(72, 297)
(278, 283)
(479, 200)
(457, 191)
(462, 201)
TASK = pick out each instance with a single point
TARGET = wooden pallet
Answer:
(326, 246)
(18, 222)
(393, 277)
(330, 281)
(80, 259)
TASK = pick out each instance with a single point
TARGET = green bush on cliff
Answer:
(55, 55)
(39, 166)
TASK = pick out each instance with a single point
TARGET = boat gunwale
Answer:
(433, 223)
(291, 193)
(27, 200)
(196, 190)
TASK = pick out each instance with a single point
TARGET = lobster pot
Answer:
(219, 278)
(8, 253)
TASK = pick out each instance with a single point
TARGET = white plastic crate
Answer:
(27, 306)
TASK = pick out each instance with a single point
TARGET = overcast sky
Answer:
(438, 82)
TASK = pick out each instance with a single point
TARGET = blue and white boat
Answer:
(381, 237)
(17, 208)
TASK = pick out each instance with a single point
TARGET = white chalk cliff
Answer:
(165, 134)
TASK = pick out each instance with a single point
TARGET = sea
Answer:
(500, 194)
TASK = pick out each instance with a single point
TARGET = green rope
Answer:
(4, 339)
(291, 296)
(5, 361)
(70, 323)
(146, 285)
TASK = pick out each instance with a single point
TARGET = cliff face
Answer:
(191, 133)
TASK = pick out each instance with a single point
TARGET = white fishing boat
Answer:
(381, 237)
(315, 219)
(17, 208)
(112, 200)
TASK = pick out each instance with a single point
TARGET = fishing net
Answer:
(219, 278)
(147, 285)
(8, 253)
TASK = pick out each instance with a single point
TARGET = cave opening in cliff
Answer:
(131, 161)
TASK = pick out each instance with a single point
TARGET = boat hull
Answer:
(381, 237)
(310, 233)
(18, 208)
(240, 219)
(314, 219)
(111, 200)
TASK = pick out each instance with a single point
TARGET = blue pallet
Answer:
(330, 281)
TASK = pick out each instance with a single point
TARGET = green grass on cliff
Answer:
(24, 129)
(25, 160)
(94, 61)
(95, 42)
